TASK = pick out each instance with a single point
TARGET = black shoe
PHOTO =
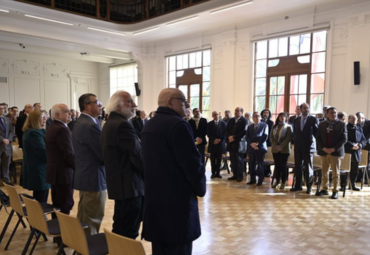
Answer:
(268, 175)
(355, 188)
(308, 191)
(341, 189)
(251, 182)
(295, 189)
(218, 176)
(334, 196)
(232, 178)
(213, 176)
(239, 180)
(259, 184)
(323, 193)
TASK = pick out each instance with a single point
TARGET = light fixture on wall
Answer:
(229, 7)
(50, 20)
(146, 30)
(1, 10)
(106, 31)
(181, 20)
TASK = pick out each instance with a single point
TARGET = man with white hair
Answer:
(123, 165)
(60, 165)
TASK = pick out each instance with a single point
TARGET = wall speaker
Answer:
(356, 72)
(138, 91)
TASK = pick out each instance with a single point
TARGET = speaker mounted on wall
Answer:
(138, 91)
(356, 72)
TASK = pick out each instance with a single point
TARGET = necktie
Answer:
(303, 122)
(3, 124)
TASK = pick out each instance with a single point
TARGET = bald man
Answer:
(174, 177)
(20, 122)
(60, 165)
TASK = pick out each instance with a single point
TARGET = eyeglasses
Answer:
(97, 102)
(181, 99)
(257, 116)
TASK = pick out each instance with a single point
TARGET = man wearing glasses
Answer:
(6, 136)
(89, 176)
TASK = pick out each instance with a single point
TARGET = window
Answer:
(290, 71)
(123, 78)
(191, 73)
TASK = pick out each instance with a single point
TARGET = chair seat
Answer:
(97, 244)
(53, 226)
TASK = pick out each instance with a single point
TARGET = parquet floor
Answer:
(241, 219)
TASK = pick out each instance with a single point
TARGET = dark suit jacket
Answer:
(90, 170)
(138, 125)
(201, 131)
(238, 132)
(122, 156)
(174, 177)
(8, 135)
(339, 138)
(355, 135)
(305, 140)
(214, 133)
(71, 124)
(270, 124)
(61, 164)
(18, 129)
(259, 136)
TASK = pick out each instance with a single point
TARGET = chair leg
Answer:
(319, 177)
(363, 178)
(28, 241)
(61, 249)
(34, 245)
(6, 225)
(11, 236)
(367, 177)
(21, 219)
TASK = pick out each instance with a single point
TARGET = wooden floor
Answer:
(241, 219)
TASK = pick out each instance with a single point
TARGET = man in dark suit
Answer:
(235, 134)
(6, 136)
(137, 123)
(216, 134)
(305, 129)
(331, 137)
(89, 176)
(73, 119)
(20, 122)
(256, 148)
(60, 164)
(266, 117)
(199, 127)
(174, 177)
(297, 114)
(123, 165)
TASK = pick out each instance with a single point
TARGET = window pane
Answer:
(198, 71)
(304, 59)
(303, 84)
(206, 73)
(198, 59)
(294, 45)
(184, 89)
(317, 103)
(274, 62)
(172, 86)
(283, 46)
(305, 43)
(318, 62)
(191, 60)
(301, 99)
(293, 104)
(261, 50)
(261, 68)
(185, 59)
(281, 85)
(273, 48)
(206, 58)
(294, 84)
(272, 105)
(319, 41)
(194, 90)
(179, 62)
(172, 63)
(317, 83)
(205, 114)
(205, 106)
(280, 104)
(173, 77)
(273, 85)
(260, 87)
(206, 88)
(260, 103)
(179, 73)
(194, 102)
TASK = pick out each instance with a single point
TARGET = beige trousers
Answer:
(333, 162)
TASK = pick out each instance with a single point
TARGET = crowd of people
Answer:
(154, 168)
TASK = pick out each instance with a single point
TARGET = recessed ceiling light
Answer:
(146, 30)
(51, 20)
(106, 31)
(1, 10)
(182, 20)
(232, 7)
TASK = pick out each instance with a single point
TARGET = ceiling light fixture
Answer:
(232, 7)
(106, 31)
(146, 30)
(1, 10)
(51, 20)
(181, 20)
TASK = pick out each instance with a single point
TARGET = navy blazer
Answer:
(355, 135)
(90, 170)
(201, 131)
(174, 177)
(305, 140)
(214, 133)
(270, 124)
(238, 132)
(122, 156)
(339, 138)
(257, 136)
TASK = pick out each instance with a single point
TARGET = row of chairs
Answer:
(68, 231)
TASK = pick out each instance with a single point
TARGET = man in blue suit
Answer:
(174, 178)
(256, 137)
(89, 176)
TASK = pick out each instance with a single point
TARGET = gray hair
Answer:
(55, 109)
(115, 101)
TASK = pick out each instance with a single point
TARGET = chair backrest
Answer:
(72, 233)
(316, 160)
(291, 157)
(17, 153)
(15, 200)
(364, 157)
(35, 215)
(118, 245)
(345, 164)
(268, 155)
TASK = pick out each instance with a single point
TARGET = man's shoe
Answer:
(232, 178)
(355, 188)
(251, 182)
(323, 193)
(218, 176)
(239, 180)
(308, 191)
(295, 189)
(213, 176)
(259, 184)
(334, 196)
